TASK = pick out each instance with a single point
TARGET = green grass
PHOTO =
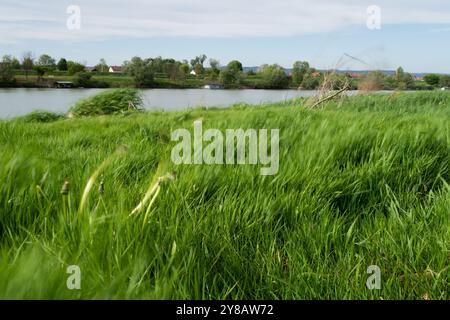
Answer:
(362, 182)
(110, 102)
(41, 116)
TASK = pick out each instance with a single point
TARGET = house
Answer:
(115, 69)
(193, 73)
(355, 75)
(90, 69)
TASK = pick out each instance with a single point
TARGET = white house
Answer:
(115, 69)
(193, 73)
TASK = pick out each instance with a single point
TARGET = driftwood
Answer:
(329, 97)
(131, 106)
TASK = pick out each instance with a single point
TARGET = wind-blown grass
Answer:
(110, 102)
(41, 116)
(362, 182)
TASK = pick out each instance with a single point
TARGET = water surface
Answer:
(19, 101)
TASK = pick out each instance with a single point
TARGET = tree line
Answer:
(146, 71)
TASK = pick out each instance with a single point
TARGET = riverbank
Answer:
(121, 80)
(362, 182)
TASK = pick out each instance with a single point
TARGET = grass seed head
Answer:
(65, 188)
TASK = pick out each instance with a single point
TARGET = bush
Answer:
(84, 80)
(74, 67)
(274, 77)
(42, 116)
(109, 102)
(6, 75)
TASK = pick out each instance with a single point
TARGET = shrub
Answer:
(42, 116)
(109, 102)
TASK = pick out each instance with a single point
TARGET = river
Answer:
(19, 101)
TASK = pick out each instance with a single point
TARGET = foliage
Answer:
(84, 80)
(62, 65)
(300, 68)
(40, 70)
(444, 81)
(117, 101)
(143, 71)
(102, 66)
(362, 182)
(39, 116)
(432, 79)
(274, 76)
(27, 62)
(6, 72)
(74, 67)
(46, 62)
(403, 80)
(197, 64)
(235, 66)
(13, 62)
(373, 81)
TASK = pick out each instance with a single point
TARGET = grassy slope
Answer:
(360, 183)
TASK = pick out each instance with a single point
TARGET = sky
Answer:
(380, 34)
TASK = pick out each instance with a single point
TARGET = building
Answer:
(115, 69)
(63, 84)
(213, 86)
(90, 69)
(193, 73)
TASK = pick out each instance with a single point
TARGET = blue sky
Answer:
(413, 34)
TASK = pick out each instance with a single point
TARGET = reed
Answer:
(362, 181)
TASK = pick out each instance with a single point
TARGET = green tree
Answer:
(389, 82)
(82, 79)
(74, 67)
(404, 80)
(40, 70)
(171, 68)
(274, 76)
(13, 62)
(197, 64)
(310, 81)
(399, 74)
(300, 68)
(444, 81)
(102, 66)
(214, 64)
(373, 81)
(6, 71)
(235, 66)
(231, 76)
(46, 62)
(62, 65)
(432, 79)
(143, 71)
(184, 69)
(215, 68)
(27, 63)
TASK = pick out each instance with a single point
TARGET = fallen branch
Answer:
(329, 97)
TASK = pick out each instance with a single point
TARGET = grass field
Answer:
(364, 181)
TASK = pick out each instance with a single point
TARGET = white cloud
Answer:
(21, 20)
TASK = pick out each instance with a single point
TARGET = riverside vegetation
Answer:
(161, 72)
(362, 181)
